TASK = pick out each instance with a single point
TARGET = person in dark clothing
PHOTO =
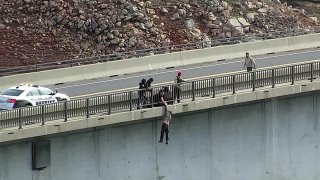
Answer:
(166, 121)
(142, 93)
(149, 82)
(177, 88)
(162, 94)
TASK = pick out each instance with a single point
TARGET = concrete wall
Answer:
(275, 139)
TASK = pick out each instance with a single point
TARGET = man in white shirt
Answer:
(165, 123)
(249, 62)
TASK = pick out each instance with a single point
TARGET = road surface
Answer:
(93, 87)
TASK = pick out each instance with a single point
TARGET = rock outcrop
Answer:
(35, 31)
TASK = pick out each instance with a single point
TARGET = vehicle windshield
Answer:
(12, 92)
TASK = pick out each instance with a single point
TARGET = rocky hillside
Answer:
(33, 31)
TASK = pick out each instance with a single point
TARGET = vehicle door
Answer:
(47, 95)
(35, 97)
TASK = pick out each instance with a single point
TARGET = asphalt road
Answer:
(103, 85)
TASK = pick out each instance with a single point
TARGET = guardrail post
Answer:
(130, 97)
(213, 87)
(311, 72)
(273, 78)
(65, 111)
(20, 118)
(42, 115)
(109, 104)
(193, 89)
(253, 81)
(87, 107)
(292, 75)
(233, 84)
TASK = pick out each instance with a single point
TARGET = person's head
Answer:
(143, 81)
(150, 80)
(179, 73)
(247, 54)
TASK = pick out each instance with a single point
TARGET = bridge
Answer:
(257, 125)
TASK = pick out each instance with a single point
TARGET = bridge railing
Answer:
(151, 51)
(137, 99)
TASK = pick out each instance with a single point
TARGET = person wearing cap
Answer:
(177, 88)
(249, 62)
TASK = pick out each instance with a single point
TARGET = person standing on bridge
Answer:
(249, 62)
(177, 87)
(149, 82)
(142, 94)
(166, 121)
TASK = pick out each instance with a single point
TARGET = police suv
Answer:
(29, 95)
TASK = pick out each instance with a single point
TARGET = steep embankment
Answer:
(33, 31)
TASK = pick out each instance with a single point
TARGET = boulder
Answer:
(148, 24)
(211, 17)
(189, 24)
(237, 31)
(259, 4)
(175, 16)
(250, 17)
(314, 19)
(243, 22)
(196, 32)
(249, 5)
(164, 10)
(262, 11)
(181, 12)
(115, 41)
(2, 26)
(233, 23)
(103, 6)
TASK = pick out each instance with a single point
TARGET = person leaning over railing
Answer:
(162, 95)
(249, 62)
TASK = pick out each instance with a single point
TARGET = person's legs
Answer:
(178, 95)
(175, 92)
(167, 133)
(139, 103)
(249, 69)
(162, 132)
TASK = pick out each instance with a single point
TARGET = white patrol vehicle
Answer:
(29, 95)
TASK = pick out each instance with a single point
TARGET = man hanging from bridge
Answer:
(166, 121)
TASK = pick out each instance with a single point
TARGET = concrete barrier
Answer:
(43, 77)
(115, 68)
(165, 60)
(235, 51)
(162, 61)
(268, 46)
(304, 41)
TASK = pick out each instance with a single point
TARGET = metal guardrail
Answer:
(129, 100)
(152, 51)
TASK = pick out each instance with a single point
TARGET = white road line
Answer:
(185, 69)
